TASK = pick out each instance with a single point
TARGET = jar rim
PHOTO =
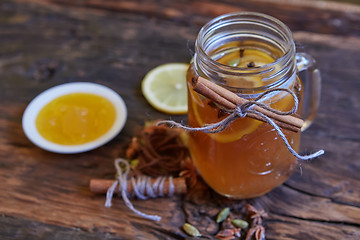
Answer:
(268, 20)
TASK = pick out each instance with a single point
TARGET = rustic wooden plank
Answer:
(16, 228)
(337, 58)
(48, 193)
(312, 16)
(311, 230)
(334, 175)
(310, 207)
(52, 188)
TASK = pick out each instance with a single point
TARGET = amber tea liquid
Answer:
(248, 159)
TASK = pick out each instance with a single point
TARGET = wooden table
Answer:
(45, 43)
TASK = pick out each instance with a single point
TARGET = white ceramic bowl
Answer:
(33, 109)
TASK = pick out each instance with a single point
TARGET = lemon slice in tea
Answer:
(205, 114)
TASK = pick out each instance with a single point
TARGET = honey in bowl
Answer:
(76, 118)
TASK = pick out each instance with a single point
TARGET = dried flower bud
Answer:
(223, 215)
(225, 233)
(226, 224)
(260, 233)
(251, 64)
(191, 230)
(242, 52)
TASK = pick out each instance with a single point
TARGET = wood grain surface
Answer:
(44, 43)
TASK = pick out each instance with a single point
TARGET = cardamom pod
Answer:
(191, 230)
(239, 223)
(223, 215)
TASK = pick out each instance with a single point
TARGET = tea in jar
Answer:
(248, 54)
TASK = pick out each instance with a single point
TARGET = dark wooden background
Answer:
(44, 43)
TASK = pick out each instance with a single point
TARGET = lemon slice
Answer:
(237, 130)
(164, 87)
(258, 58)
(204, 114)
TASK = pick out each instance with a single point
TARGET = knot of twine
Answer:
(241, 111)
(143, 189)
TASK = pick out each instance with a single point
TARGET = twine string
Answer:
(241, 111)
(143, 189)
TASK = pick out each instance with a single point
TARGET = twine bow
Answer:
(240, 111)
(142, 186)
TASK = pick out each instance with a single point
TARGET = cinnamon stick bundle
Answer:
(230, 100)
(100, 186)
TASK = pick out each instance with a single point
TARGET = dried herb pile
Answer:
(161, 151)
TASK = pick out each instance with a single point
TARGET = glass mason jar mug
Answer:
(248, 54)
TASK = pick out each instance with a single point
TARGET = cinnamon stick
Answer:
(230, 100)
(100, 186)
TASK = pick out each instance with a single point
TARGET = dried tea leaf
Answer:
(239, 223)
(159, 151)
(223, 215)
(191, 230)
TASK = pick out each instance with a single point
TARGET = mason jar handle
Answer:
(311, 82)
